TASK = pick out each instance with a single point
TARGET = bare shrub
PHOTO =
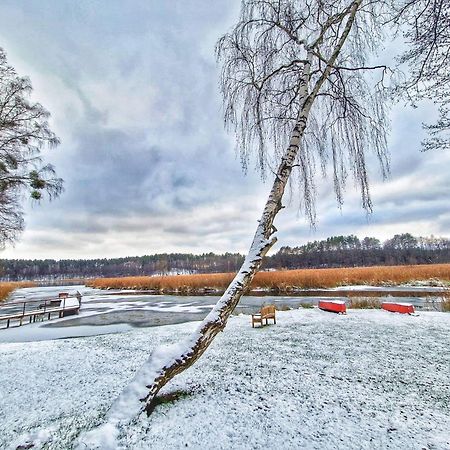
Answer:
(364, 303)
(283, 308)
(307, 305)
(445, 304)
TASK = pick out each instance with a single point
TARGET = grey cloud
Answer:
(147, 164)
(213, 225)
(444, 223)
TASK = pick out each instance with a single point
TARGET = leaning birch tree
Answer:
(297, 91)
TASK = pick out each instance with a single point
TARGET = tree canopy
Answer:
(24, 131)
(426, 28)
(335, 251)
(264, 62)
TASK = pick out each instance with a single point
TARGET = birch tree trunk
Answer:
(264, 237)
(168, 361)
(263, 240)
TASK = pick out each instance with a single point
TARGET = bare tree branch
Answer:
(24, 131)
(427, 25)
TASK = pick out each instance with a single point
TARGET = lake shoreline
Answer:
(374, 291)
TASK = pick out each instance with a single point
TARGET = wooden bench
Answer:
(267, 312)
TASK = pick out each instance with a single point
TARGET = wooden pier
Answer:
(37, 310)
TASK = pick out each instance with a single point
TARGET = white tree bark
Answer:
(168, 361)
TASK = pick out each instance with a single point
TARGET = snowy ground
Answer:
(368, 380)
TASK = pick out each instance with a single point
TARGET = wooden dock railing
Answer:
(35, 310)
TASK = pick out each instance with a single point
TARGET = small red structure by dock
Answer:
(336, 306)
(402, 308)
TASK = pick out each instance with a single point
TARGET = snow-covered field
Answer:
(368, 380)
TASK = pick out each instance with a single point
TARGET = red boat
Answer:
(402, 308)
(336, 306)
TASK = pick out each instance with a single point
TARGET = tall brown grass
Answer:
(7, 288)
(285, 280)
(181, 283)
(364, 303)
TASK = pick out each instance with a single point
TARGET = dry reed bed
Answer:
(285, 280)
(364, 303)
(7, 288)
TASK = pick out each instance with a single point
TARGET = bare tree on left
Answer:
(24, 132)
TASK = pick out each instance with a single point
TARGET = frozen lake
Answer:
(104, 312)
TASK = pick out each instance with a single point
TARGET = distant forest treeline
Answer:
(336, 251)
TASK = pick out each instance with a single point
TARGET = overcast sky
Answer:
(133, 92)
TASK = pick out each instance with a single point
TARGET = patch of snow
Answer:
(69, 302)
(37, 332)
(128, 405)
(49, 292)
(35, 439)
(315, 381)
(398, 303)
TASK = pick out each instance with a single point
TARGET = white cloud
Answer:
(148, 168)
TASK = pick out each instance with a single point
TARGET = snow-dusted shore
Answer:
(315, 380)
